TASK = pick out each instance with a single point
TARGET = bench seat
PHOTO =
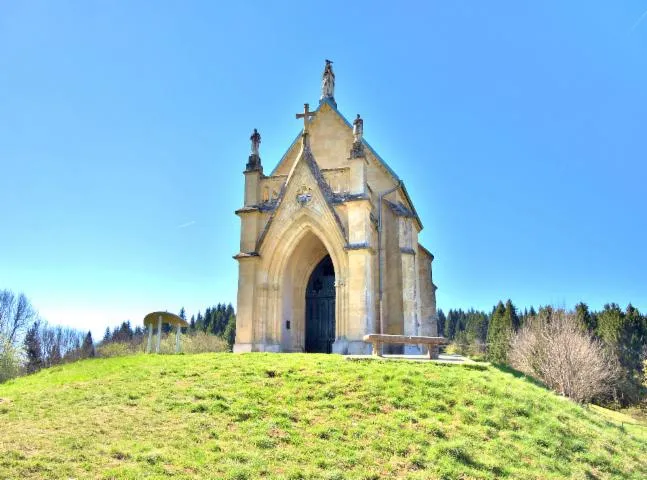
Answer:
(377, 339)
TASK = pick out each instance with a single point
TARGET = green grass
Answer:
(301, 416)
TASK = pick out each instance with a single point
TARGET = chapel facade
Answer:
(329, 246)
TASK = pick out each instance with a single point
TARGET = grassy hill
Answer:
(301, 416)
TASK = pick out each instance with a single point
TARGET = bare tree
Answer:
(553, 347)
(16, 314)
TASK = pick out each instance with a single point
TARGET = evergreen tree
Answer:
(107, 336)
(87, 350)
(192, 324)
(476, 327)
(33, 348)
(584, 316)
(451, 324)
(499, 334)
(441, 322)
(625, 335)
(461, 323)
(609, 325)
(207, 320)
(230, 332)
(511, 315)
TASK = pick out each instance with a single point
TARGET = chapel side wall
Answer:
(376, 281)
(245, 304)
(410, 294)
(428, 320)
(392, 274)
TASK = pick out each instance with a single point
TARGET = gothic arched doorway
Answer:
(320, 308)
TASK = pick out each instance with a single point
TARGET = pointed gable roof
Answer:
(381, 162)
(308, 159)
(333, 107)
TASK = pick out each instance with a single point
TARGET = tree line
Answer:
(525, 339)
(28, 343)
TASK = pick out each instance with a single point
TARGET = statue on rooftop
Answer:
(358, 128)
(328, 82)
(254, 160)
(256, 142)
(357, 149)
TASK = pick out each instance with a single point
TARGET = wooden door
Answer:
(320, 308)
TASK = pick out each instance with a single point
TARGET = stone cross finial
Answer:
(256, 141)
(306, 115)
(328, 82)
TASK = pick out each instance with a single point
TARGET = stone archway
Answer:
(293, 252)
(293, 282)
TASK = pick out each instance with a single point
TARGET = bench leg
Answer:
(377, 349)
(433, 352)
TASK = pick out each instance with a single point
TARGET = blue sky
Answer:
(518, 128)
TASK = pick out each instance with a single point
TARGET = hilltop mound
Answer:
(300, 416)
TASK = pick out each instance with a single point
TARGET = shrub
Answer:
(9, 360)
(553, 347)
(198, 342)
(118, 349)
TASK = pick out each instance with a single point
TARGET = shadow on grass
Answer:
(517, 374)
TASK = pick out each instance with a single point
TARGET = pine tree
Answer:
(499, 335)
(87, 350)
(584, 316)
(33, 348)
(207, 320)
(442, 320)
(106, 336)
(476, 327)
(511, 315)
(609, 325)
(451, 324)
(625, 335)
(230, 331)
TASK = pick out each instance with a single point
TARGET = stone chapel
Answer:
(329, 246)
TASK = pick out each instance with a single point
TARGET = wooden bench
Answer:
(378, 340)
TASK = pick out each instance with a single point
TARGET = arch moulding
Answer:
(289, 254)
